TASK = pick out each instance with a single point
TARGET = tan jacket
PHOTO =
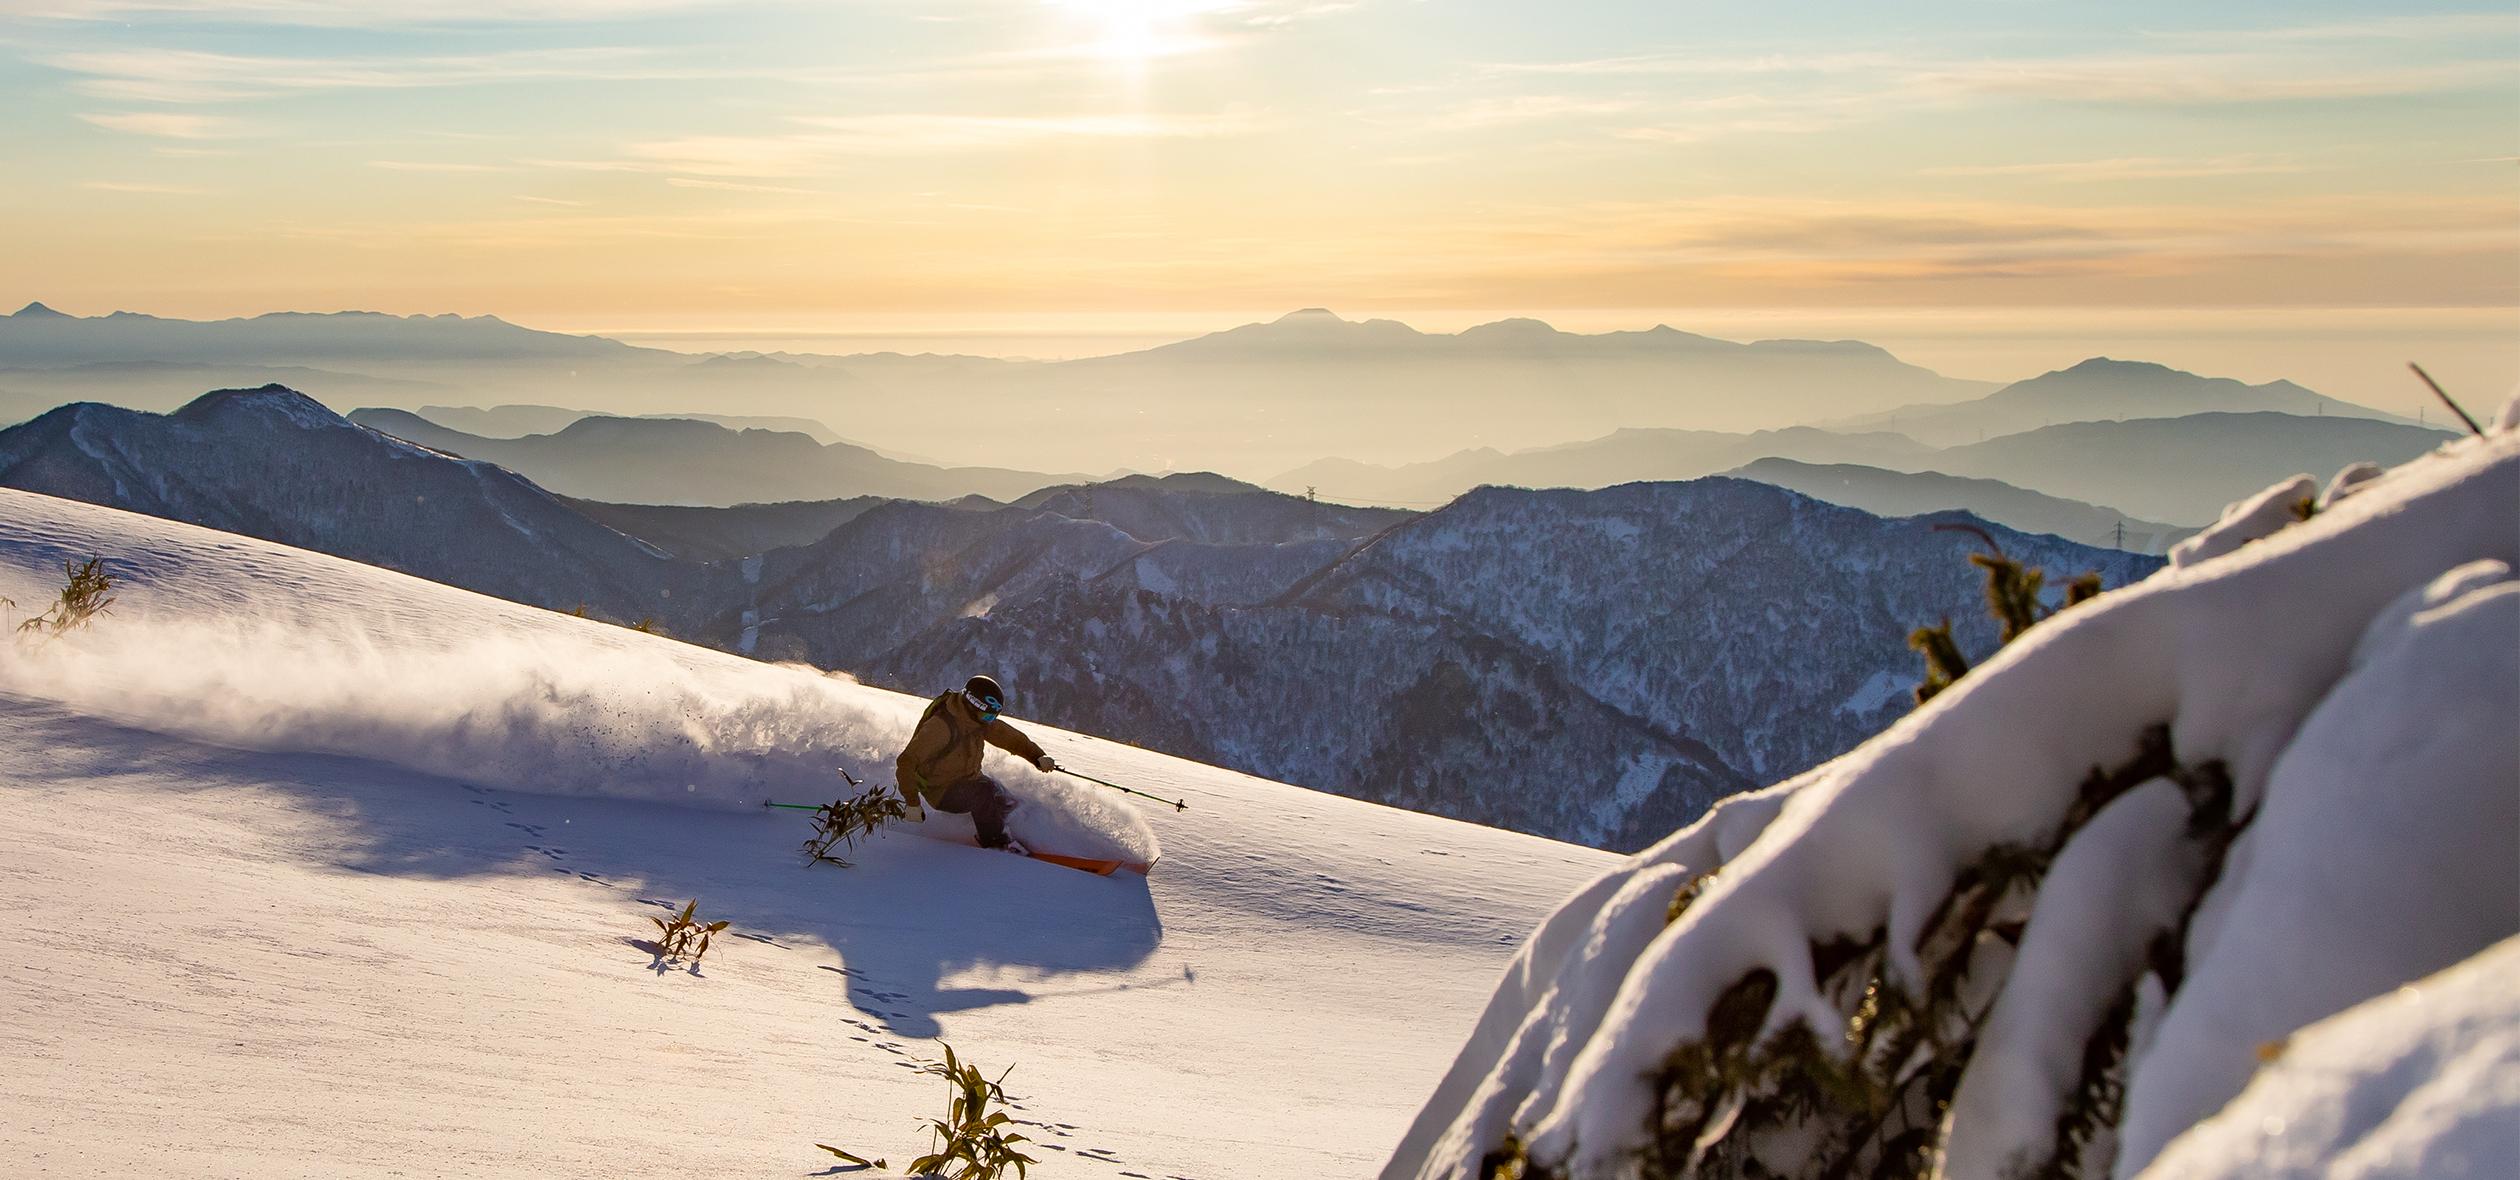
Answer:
(946, 747)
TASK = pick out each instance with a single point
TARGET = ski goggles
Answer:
(988, 706)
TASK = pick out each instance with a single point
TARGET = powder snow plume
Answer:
(366, 663)
(514, 713)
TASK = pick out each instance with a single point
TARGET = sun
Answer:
(1135, 30)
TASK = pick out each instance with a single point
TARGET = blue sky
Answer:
(671, 162)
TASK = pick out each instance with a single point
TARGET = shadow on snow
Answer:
(912, 913)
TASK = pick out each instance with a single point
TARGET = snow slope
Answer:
(321, 870)
(1963, 932)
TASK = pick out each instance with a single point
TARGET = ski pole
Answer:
(854, 781)
(1177, 804)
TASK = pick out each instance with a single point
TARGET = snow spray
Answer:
(555, 705)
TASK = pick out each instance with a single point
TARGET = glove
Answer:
(1046, 764)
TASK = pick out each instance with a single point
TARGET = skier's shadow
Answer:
(1008, 922)
(914, 914)
(923, 929)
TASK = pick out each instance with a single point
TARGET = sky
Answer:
(1980, 183)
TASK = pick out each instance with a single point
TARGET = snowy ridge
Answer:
(2354, 677)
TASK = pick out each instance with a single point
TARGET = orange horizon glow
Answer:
(1146, 167)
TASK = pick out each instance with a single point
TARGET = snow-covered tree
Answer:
(2060, 916)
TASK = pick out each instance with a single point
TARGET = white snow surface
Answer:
(321, 870)
(2258, 516)
(2354, 675)
(1882, 688)
(2418, 1084)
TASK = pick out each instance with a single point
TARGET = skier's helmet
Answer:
(984, 695)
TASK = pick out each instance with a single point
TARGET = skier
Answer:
(941, 765)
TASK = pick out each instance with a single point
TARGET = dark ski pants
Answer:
(985, 802)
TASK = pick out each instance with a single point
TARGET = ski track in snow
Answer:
(335, 871)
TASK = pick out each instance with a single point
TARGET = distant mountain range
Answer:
(1623, 456)
(37, 335)
(1263, 397)
(1307, 384)
(1260, 397)
(2185, 469)
(1595, 666)
(686, 461)
(2101, 389)
(1903, 493)
(2181, 470)
(159, 386)
(514, 421)
(1312, 383)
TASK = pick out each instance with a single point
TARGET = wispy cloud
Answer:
(1692, 96)
(538, 231)
(2130, 168)
(2430, 26)
(1517, 109)
(194, 76)
(1801, 112)
(1279, 13)
(368, 13)
(2201, 79)
(165, 125)
(558, 201)
(876, 133)
(436, 166)
(742, 187)
(147, 188)
(350, 13)
(829, 140)
(1829, 241)
(1663, 64)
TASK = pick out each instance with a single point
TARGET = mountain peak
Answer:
(37, 311)
(1197, 482)
(274, 400)
(2102, 366)
(1304, 330)
(1515, 328)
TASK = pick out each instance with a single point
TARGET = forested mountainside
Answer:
(1581, 664)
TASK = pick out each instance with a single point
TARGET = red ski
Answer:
(1098, 866)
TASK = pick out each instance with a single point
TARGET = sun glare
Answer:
(1135, 30)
